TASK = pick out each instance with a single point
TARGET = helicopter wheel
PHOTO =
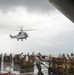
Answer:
(25, 38)
(21, 39)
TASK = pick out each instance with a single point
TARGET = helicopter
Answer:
(21, 35)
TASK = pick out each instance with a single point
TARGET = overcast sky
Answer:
(54, 34)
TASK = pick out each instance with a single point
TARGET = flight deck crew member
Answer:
(50, 70)
(20, 56)
(38, 64)
(27, 58)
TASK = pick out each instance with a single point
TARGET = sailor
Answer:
(32, 53)
(60, 55)
(39, 56)
(72, 56)
(38, 64)
(50, 67)
(5, 54)
(27, 57)
(20, 56)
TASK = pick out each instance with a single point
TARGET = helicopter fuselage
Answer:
(21, 35)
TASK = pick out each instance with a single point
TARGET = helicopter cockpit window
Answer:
(26, 35)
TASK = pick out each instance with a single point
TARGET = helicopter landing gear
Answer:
(21, 39)
(25, 38)
(17, 39)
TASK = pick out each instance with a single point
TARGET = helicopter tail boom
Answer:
(11, 36)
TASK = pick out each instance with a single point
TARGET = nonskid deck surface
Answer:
(15, 69)
(18, 69)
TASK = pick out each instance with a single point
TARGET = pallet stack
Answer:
(62, 65)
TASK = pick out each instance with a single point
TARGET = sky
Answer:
(54, 32)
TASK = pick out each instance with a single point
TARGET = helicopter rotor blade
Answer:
(20, 27)
(30, 30)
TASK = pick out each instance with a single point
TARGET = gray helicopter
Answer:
(21, 35)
